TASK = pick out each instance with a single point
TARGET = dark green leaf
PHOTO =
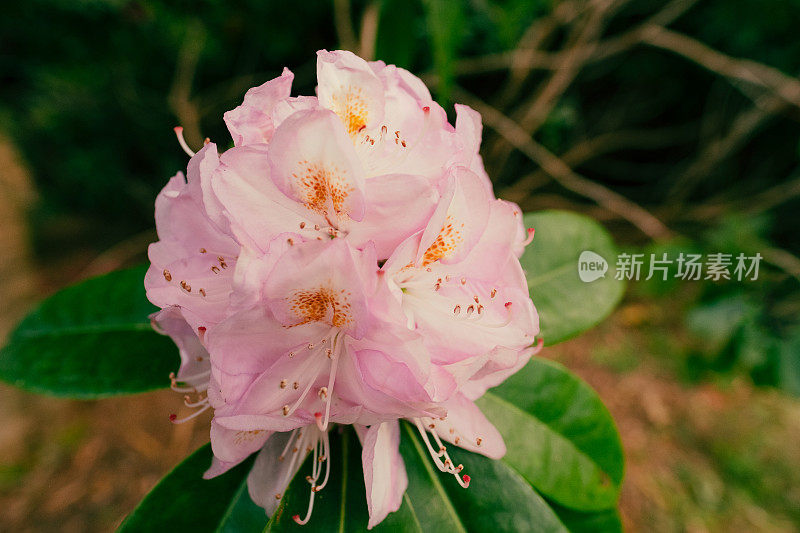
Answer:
(342, 505)
(568, 306)
(559, 435)
(498, 498)
(606, 521)
(242, 514)
(90, 340)
(183, 501)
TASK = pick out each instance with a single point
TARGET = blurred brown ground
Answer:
(712, 457)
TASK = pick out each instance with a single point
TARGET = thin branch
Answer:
(342, 19)
(718, 150)
(783, 260)
(746, 70)
(602, 144)
(369, 30)
(562, 173)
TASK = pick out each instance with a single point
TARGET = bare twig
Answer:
(784, 86)
(369, 30)
(783, 260)
(562, 173)
(342, 19)
(717, 150)
(603, 144)
(524, 58)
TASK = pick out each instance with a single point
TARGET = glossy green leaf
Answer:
(606, 521)
(498, 498)
(342, 505)
(568, 306)
(90, 340)
(183, 501)
(559, 435)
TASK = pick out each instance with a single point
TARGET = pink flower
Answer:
(345, 262)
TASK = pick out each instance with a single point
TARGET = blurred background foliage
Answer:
(674, 123)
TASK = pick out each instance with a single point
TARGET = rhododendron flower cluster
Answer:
(345, 262)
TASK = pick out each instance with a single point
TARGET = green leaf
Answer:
(606, 521)
(568, 306)
(342, 505)
(183, 501)
(559, 435)
(90, 340)
(498, 498)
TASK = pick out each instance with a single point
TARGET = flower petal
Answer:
(270, 475)
(399, 206)
(385, 475)
(252, 121)
(234, 446)
(467, 427)
(314, 163)
(458, 222)
(349, 88)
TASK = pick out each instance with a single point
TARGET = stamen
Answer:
(179, 134)
(174, 418)
(527, 241)
(446, 465)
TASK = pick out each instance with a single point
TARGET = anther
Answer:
(493, 293)
(302, 225)
(167, 275)
(463, 281)
(203, 250)
(202, 292)
(323, 393)
(215, 269)
(290, 241)
(478, 441)
(185, 286)
(283, 383)
(295, 385)
(285, 410)
(457, 309)
(470, 310)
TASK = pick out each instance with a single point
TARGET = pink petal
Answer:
(384, 472)
(458, 222)
(270, 476)
(399, 205)
(234, 446)
(313, 162)
(349, 88)
(470, 429)
(252, 122)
